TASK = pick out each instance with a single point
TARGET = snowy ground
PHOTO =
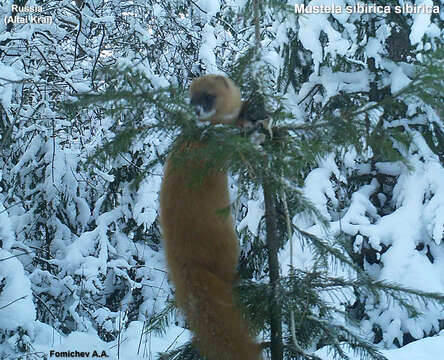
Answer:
(425, 349)
(131, 347)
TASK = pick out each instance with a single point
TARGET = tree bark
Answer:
(273, 263)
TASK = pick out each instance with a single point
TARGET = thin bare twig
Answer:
(12, 302)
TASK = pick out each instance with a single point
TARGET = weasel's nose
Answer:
(198, 110)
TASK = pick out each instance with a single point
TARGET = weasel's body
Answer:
(201, 246)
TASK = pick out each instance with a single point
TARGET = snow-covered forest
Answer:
(349, 109)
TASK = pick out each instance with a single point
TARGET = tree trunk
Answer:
(273, 263)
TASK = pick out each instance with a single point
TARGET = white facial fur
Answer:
(205, 115)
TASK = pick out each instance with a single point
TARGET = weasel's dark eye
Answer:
(204, 100)
(208, 100)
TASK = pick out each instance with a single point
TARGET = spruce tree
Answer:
(296, 310)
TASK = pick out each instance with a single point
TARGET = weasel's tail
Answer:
(221, 333)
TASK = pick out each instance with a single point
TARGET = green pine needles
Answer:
(314, 308)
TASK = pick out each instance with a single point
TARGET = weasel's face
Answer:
(204, 105)
(215, 99)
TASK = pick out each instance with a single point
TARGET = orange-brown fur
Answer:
(201, 246)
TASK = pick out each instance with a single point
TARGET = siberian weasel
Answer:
(200, 243)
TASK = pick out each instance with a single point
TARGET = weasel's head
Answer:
(215, 99)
